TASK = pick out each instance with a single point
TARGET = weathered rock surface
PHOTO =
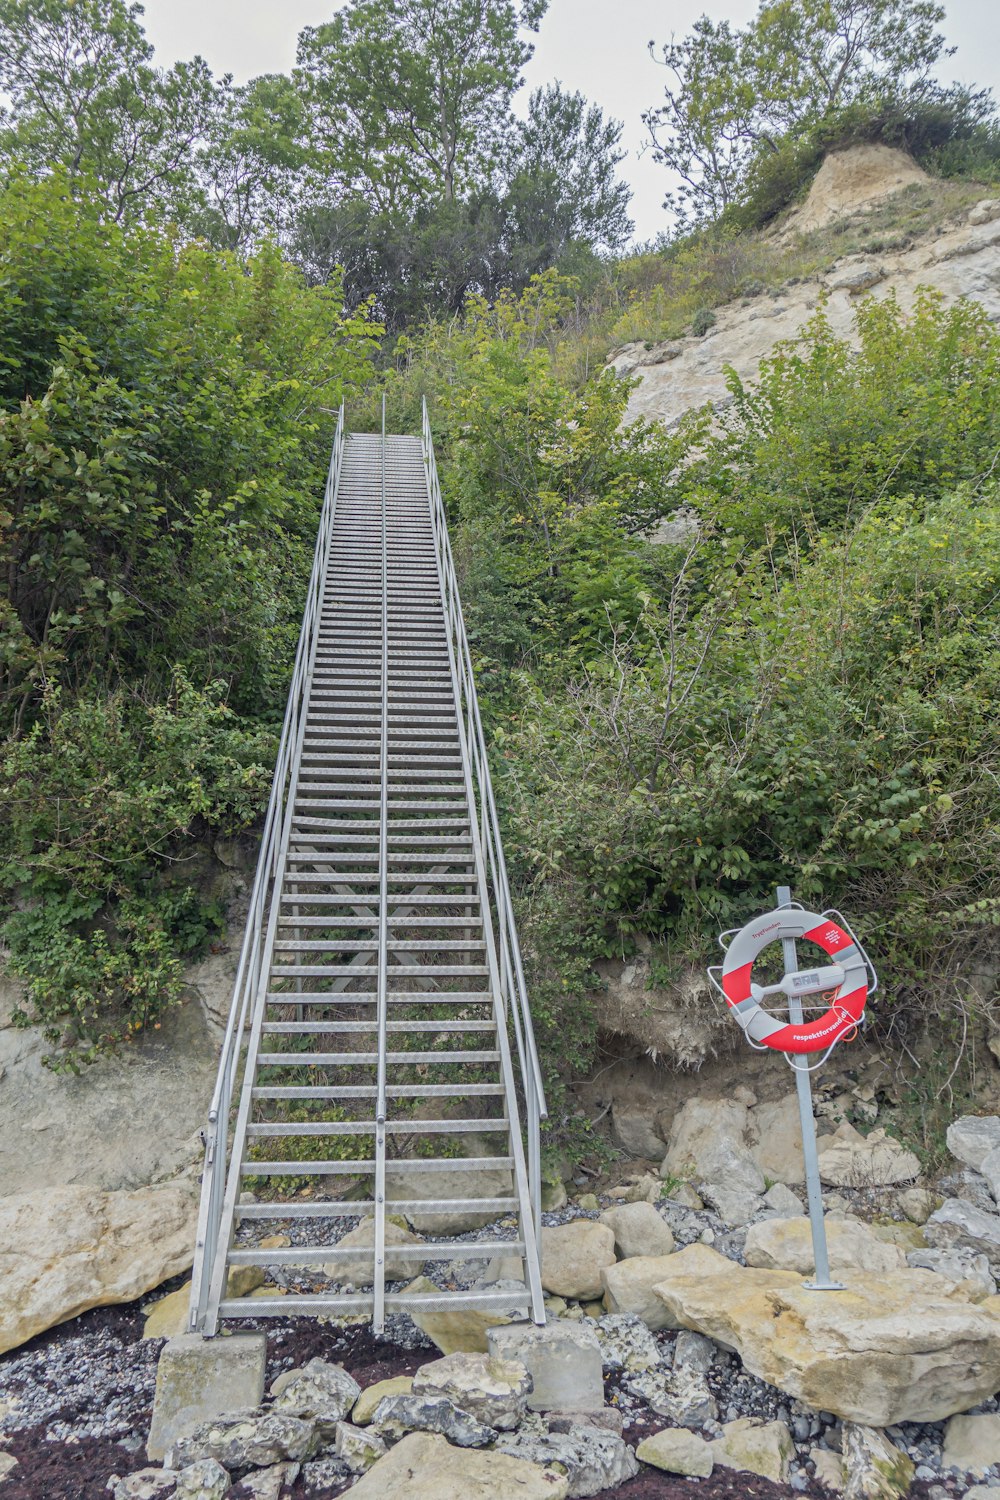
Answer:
(960, 1225)
(364, 1407)
(786, 1244)
(850, 1159)
(69, 1248)
(710, 1145)
(203, 1480)
(958, 260)
(270, 1483)
(829, 1468)
(593, 1460)
(395, 1416)
(991, 1171)
(573, 1257)
(875, 1468)
(144, 1484)
(359, 1272)
(969, 1271)
(626, 1342)
(852, 180)
(199, 1379)
(492, 1389)
(918, 1204)
(123, 1123)
(763, 1448)
(563, 1360)
(892, 1347)
(426, 1467)
(246, 1440)
(776, 1141)
(632, 1130)
(972, 1138)
(638, 1230)
(629, 1288)
(678, 1451)
(319, 1391)
(972, 1444)
(358, 1450)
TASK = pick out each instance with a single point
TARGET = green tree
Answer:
(250, 161)
(85, 97)
(732, 94)
(410, 99)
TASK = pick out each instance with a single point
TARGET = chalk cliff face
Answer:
(961, 259)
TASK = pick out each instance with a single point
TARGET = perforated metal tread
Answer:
(375, 1019)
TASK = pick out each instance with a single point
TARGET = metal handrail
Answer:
(514, 992)
(248, 972)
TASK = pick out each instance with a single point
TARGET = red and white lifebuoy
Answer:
(847, 976)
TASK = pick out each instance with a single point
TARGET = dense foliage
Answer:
(165, 423)
(798, 686)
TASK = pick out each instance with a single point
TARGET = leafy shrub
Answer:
(703, 320)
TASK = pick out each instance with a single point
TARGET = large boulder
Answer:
(638, 1230)
(972, 1138)
(677, 1451)
(710, 1146)
(633, 1131)
(461, 1330)
(318, 1391)
(850, 1159)
(776, 1141)
(425, 1466)
(786, 1244)
(398, 1415)
(563, 1360)
(629, 1288)
(573, 1257)
(875, 1469)
(63, 1250)
(972, 1443)
(892, 1347)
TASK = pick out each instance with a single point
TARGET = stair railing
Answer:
(514, 992)
(249, 969)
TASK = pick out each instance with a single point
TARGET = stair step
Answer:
(269, 1129)
(319, 1304)
(359, 1028)
(311, 1255)
(366, 1168)
(367, 1059)
(367, 1091)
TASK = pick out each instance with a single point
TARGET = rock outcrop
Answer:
(72, 1248)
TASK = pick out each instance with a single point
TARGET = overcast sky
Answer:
(598, 46)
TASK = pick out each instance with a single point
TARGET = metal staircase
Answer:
(379, 986)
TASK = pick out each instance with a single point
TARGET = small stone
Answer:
(875, 1467)
(461, 1330)
(632, 1131)
(564, 1364)
(985, 211)
(204, 1480)
(763, 1448)
(960, 1224)
(269, 1484)
(678, 1451)
(426, 1467)
(360, 1270)
(198, 1379)
(318, 1390)
(364, 1407)
(917, 1204)
(274, 1242)
(492, 1389)
(745, 1096)
(589, 1202)
(359, 1450)
(145, 1484)
(972, 1444)
(248, 1440)
(396, 1416)
(594, 1460)
(969, 1271)
(638, 1230)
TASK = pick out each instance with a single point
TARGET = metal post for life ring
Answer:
(814, 1191)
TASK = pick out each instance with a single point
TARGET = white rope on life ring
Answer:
(847, 976)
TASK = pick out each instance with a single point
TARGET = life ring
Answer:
(848, 975)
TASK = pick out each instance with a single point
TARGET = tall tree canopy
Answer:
(732, 94)
(411, 98)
